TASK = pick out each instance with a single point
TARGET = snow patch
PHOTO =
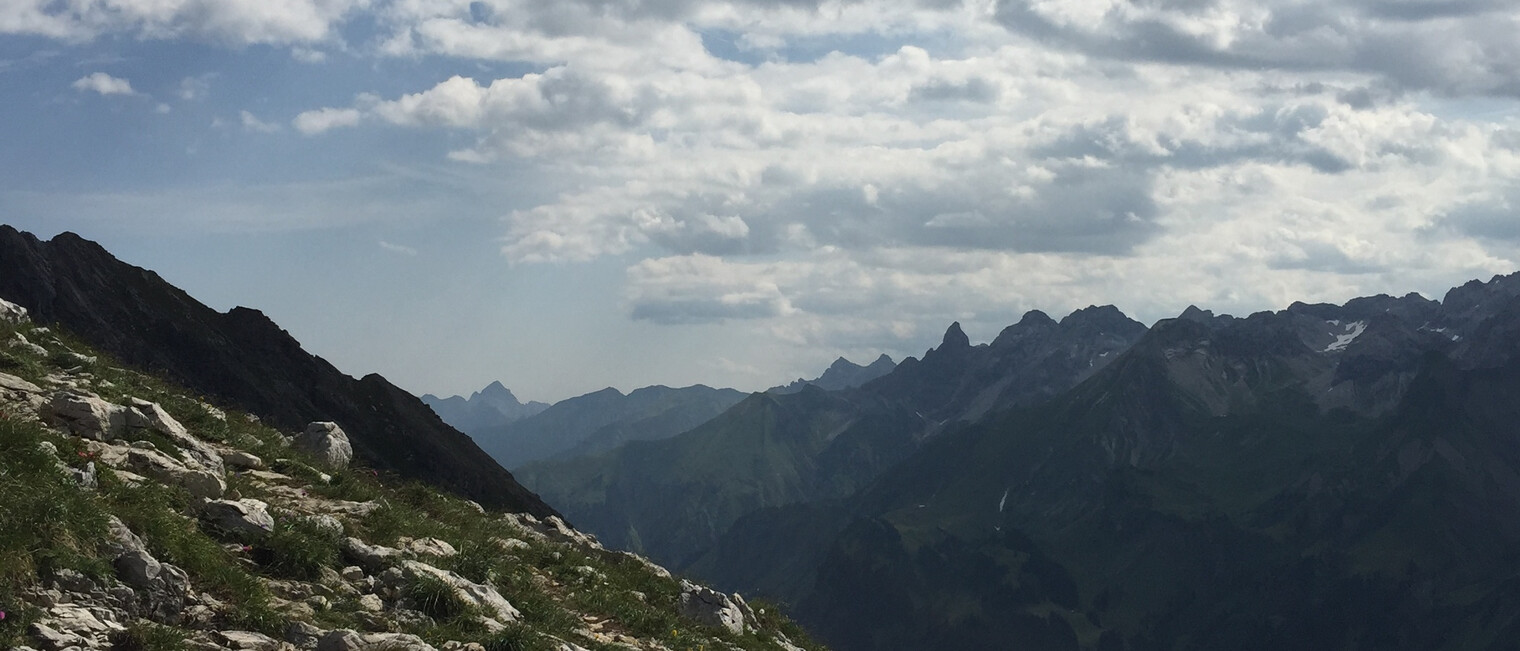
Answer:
(1004, 501)
(1353, 330)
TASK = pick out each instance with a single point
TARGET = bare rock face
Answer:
(483, 596)
(374, 558)
(149, 415)
(16, 390)
(159, 466)
(327, 442)
(86, 415)
(12, 313)
(247, 518)
(347, 640)
(711, 607)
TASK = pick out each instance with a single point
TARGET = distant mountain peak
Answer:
(1194, 313)
(1035, 318)
(486, 409)
(842, 374)
(955, 338)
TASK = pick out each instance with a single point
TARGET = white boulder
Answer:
(327, 442)
(12, 313)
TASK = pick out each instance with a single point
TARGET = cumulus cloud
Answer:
(253, 123)
(869, 169)
(100, 82)
(235, 22)
(320, 120)
(1450, 47)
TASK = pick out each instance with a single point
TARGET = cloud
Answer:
(398, 248)
(700, 289)
(252, 123)
(100, 82)
(1458, 48)
(233, 22)
(321, 120)
(194, 89)
(831, 173)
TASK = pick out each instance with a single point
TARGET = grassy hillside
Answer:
(109, 538)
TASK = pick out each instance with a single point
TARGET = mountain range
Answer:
(842, 374)
(516, 434)
(1325, 476)
(1319, 477)
(674, 499)
(485, 410)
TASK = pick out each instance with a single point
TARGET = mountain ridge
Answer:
(242, 358)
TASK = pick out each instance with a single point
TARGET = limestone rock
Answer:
(327, 442)
(374, 558)
(161, 588)
(430, 547)
(371, 603)
(86, 415)
(151, 415)
(326, 523)
(16, 388)
(245, 517)
(248, 640)
(20, 341)
(348, 640)
(302, 634)
(155, 464)
(12, 313)
(242, 460)
(710, 607)
(122, 538)
(483, 596)
(85, 477)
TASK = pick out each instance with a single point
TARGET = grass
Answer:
(48, 523)
(160, 514)
(436, 598)
(298, 549)
(147, 636)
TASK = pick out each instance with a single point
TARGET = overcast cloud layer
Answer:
(848, 177)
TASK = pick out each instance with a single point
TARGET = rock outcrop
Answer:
(327, 442)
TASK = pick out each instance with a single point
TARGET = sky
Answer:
(577, 194)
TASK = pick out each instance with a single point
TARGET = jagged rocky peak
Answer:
(843, 374)
(954, 339)
(1103, 319)
(1466, 306)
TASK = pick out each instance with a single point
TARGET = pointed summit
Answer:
(955, 339)
(1193, 313)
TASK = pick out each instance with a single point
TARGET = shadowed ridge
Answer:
(244, 359)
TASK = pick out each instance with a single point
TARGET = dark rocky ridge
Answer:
(244, 359)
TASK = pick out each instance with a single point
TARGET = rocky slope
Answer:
(134, 516)
(242, 358)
